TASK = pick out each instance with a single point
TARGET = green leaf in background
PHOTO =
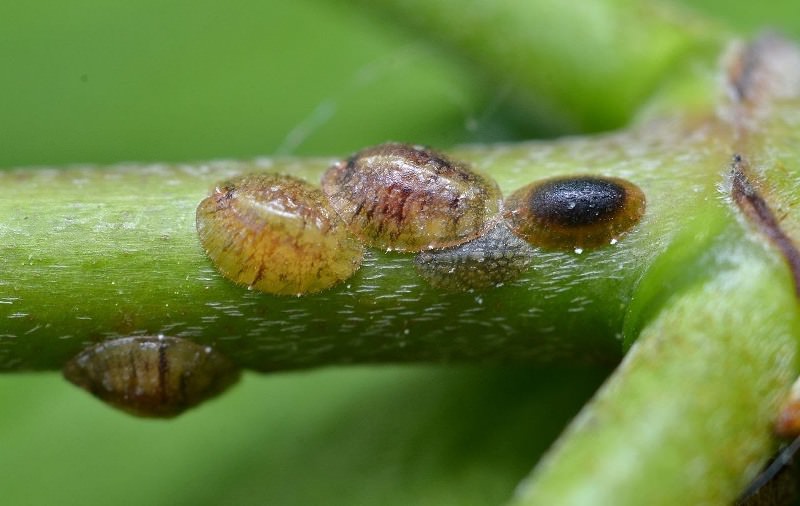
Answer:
(89, 82)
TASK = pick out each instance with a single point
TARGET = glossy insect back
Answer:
(277, 234)
(575, 212)
(492, 259)
(151, 376)
(408, 198)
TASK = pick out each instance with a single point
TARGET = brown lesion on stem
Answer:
(742, 72)
(757, 210)
(759, 75)
(764, 70)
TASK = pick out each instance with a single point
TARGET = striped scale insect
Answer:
(152, 376)
(410, 198)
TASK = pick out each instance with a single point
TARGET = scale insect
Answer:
(277, 234)
(409, 198)
(496, 257)
(575, 212)
(152, 376)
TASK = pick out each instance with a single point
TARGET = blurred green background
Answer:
(85, 81)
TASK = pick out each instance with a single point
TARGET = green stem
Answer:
(683, 420)
(580, 66)
(88, 254)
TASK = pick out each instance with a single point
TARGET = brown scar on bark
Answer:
(741, 72)
(767, 68)
(757, 210)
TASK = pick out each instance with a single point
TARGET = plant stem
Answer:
(683, 419)
(583, 66)
(93, 253)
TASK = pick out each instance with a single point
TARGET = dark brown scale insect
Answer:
(575, 212)
(409, 198)
(151, 376)
(276, 234)
(492, 259)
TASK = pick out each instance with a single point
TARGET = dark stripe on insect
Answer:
(163, 369)
(133, 367)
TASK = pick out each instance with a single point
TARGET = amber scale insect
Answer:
(152, 376)
(277, 234)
